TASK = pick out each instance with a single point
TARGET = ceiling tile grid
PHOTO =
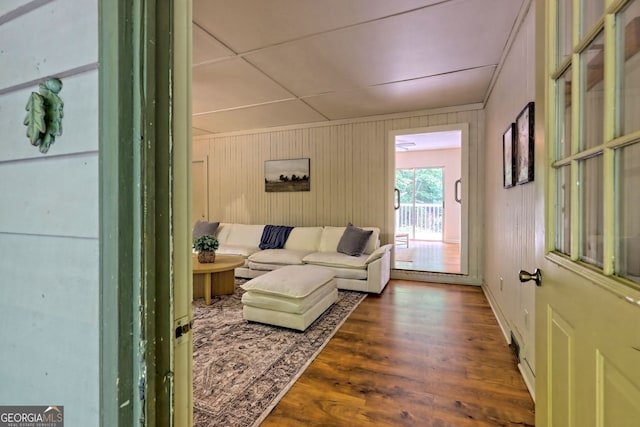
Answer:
(260, 116)
(267, 63)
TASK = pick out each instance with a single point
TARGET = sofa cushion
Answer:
(244, 235)
(354, 240)
(223, 231)
(304, 239)
(336, 259)
(261, 266)
(330, 238)
(204, 227)
(244, 251)
(374, 240)
(349, 273)
(287, 304)
(292, 281)
(378, 253)
(279, 256)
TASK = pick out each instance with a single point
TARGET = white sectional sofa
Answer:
(368, 272)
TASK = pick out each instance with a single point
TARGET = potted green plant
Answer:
(206, 246)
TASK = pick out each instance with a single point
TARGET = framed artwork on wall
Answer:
(524, 145)
(287, 175)
(508, 157)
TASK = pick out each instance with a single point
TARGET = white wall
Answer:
(451, 162)
(509, 234)
(49, 260)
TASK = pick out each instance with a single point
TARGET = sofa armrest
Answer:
(378, 253)
(379, 272)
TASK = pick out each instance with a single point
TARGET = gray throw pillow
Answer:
(354, 240)
(204, 227)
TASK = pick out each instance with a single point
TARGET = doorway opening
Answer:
(428, 214)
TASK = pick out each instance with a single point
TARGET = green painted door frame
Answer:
(139, 222)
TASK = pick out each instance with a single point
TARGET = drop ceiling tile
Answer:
(245, 25)
(206, 47)
(462, 88)
(261, 116)
(232, 83)
(399, 63)
(426, 42)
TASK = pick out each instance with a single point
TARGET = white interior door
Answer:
(587, 175)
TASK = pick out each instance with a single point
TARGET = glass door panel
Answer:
(564, 30)
(421, 212)
(628, 230)
(592, 211)
(591, 11)
(628, 59)
(421, 237)
(563, 88)
(405, 184)
(592, 94)
(563, 210)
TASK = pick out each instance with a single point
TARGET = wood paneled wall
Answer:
(49, 263)
(352, 174)
(509, 213)
(346, 179)
(352, 170)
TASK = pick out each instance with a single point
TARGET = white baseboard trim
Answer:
(426, 276)
(527, 375)
(529, 380)
(502, 320)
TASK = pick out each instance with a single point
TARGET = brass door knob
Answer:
(536, 276)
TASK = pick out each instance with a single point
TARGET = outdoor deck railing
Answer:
(426, 217)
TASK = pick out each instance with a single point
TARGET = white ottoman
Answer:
(292, 296)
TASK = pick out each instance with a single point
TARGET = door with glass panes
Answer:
(587, 221)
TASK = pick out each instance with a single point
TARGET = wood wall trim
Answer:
(403, 115)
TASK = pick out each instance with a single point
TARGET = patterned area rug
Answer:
(240, 369)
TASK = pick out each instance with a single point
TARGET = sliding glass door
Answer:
(421, 212)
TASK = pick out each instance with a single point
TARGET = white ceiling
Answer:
(442, 140)
(265, 63)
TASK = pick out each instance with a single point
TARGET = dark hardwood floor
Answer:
(418, 355)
